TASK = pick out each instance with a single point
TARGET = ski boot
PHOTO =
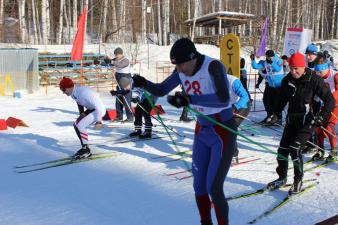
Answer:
(146, 135)
(235, 160)
(263, 121)
(296, 187)
(332, 156)
(271, 120)
(206, 222)
(117, 120)
(280, 182)
(128, 120)
(185, 119)
(135, 133)
(309, 149)
(84, 152)
(319, 155)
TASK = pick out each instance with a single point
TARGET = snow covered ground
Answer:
(132, 188)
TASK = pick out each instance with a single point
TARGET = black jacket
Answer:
(299, 93)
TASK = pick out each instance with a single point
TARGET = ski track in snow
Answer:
(132, 188)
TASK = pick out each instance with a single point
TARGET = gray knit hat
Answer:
(118, 51)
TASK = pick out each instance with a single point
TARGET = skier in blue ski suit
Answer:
(272, 70)
(240, 101)
(207, 91)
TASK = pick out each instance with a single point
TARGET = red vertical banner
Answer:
(77, 50)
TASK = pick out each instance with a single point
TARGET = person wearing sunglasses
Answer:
(330, 76)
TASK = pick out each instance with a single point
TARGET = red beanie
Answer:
(66, 83)
(297, 60)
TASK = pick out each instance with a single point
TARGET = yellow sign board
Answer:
(8, 81)
(230, 54)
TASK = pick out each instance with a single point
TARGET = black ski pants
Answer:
(294, 138)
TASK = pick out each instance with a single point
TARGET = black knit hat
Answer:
(270, 53)
(182, 51)
(118, 51)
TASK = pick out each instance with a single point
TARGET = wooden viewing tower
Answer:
(219, 24)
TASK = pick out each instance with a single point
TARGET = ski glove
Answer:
(139, 81)
(252, 56)
(257, 86)
(107, 61)
(119, 93)
(234, 109)
(113, 93)
(135, 100)
(317, 121)
(178, 100)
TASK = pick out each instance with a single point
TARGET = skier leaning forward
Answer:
(95, 110)
(298, 89)
(207, 90)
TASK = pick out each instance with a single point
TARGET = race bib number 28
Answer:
(193, 88)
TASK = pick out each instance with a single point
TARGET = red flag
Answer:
(78, 43)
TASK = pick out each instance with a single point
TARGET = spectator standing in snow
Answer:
(95, 110)
(286, 67)
(329, 59)
(142, 109)
(207, 90)
(244, 77)
(122, 68)
(272, 70)
(311, 53)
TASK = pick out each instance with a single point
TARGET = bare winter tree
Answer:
(44, 24)
(50, 21)
(159, 22)
(75, 16)
(144, 20)
(35, 23)
(336, 25)
(317, 20)
(59, 33)
(68, 23)
(22, 20)
(166, 29)
(104, 19)
(275, 20)
(196, 3)
(332, 18)
(2, 19)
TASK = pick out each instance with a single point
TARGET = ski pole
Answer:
(123, 97)
(170, 128)
(243, 136)
(161, 121)
(327, 131)
(309, 142)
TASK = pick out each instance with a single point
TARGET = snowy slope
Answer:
(131, 188)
